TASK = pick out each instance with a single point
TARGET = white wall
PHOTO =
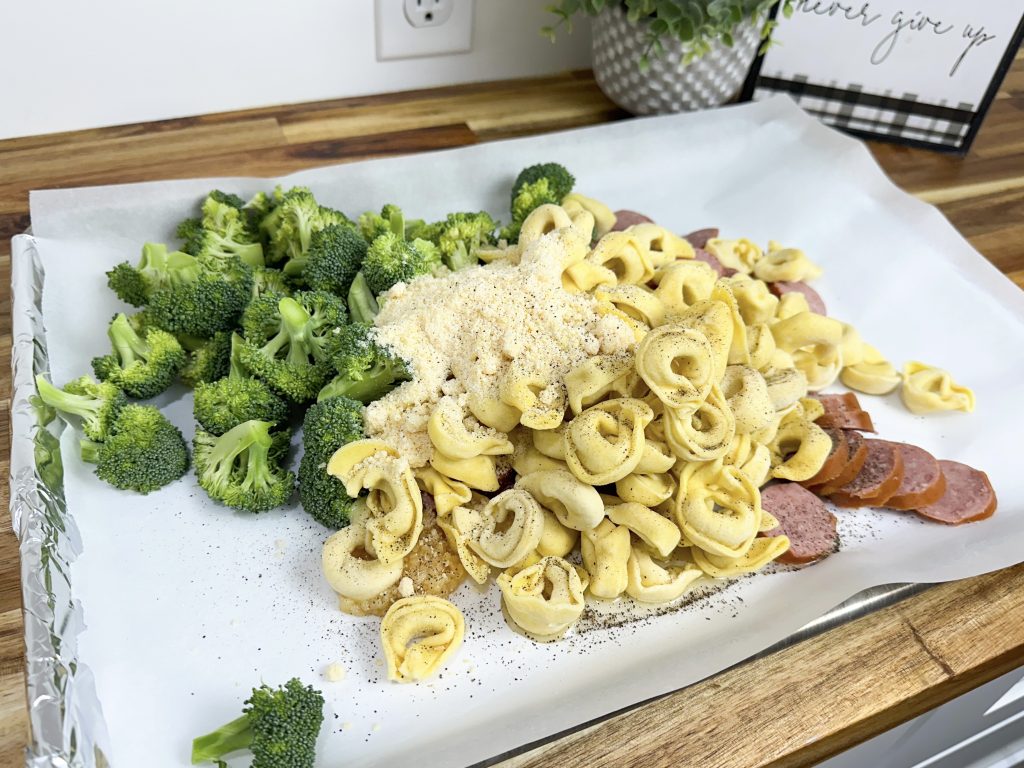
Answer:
(71, 64)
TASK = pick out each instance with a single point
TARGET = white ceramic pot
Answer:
(667, 85)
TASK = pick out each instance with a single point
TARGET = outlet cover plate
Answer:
(398, 39)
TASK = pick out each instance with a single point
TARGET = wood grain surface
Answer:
(791, 708)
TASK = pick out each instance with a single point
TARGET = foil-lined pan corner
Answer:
(67, 726)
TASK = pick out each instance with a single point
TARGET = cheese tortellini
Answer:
(606, 442)
(927, 390)
(544, 599)
(419, 635)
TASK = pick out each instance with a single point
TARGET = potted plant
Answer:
(658, 56)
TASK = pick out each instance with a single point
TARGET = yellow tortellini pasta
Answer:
(721, 517)
(814, 342)
(787, 264)
(550, 442)
(557, 540)
(447, 493)
(677, 364)
(545, 219)
(605, 551)
(604, 217)
(544, 599)
(419, 635)
(586, 276)
(928, 390)
(647, 489)
(606, 442)
(799, 448)
(540, 400)
(702, 434)
(638, 302)
(577, 505)
(756, 303)
(761, 552)
(449, 433)
(599, 376)
(738, 350)
(664, 246)
(510, 527)
(625, 255)
(459, 527)
(746, 393)
(760, 345)
(393, 501)
(683, 284)
(479, 472)
(349, 569)
(873, 375)
(493, 412)
(652, 582)
(741, 254)
(785, 386)
(791, 303)
(715, 321)
(656, 531)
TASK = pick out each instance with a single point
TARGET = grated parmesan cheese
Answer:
(462, 330)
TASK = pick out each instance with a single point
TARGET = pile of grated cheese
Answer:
(462, 330)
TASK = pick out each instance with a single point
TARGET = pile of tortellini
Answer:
(639, 473)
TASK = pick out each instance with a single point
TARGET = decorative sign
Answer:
(919, 72)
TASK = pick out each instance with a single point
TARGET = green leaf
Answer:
(787, 10)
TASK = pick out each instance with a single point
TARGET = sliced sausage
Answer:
(625, 219)
(699, 237)
(814, 300)
(844, 412)
(969, 496)
(923, 481)
(836, 460)
(711, 260)
(858, 451)
(802, 517)
(878, 479)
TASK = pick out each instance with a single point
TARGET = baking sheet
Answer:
(188, 605)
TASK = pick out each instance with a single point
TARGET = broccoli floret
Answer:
(279, 726)
(459, 234)
(225, 234)
(287, 341)
(366, 370)
(535, 186)
(223, 404)
(242, 468)
(211, 301)
(391, 259)
(362, 306)
(291, 223)
(208, 359)
(96, 404)
(157, 268)
(191, 233)
(335, 255)
(269, 281)
(371, 224)
(225, 198)
(143, 451)
(141, 365)
(327, 426)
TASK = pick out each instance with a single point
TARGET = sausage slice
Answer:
(969, 496)
(858, 453)
(625, 219)
(844, 412)
(878, 479)
(802, 517)
(923, 481)
(836, 461)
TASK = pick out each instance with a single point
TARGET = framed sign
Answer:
(920, 72)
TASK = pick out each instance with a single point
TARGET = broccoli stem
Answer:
(362, 306)
(237, 369)
(258, 477)
(397, 222)
(78, 405)
(294, 324)
(128, 345)
(460, 258)
(228, 738)
(90, 450)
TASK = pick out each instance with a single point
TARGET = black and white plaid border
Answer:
(850, 108)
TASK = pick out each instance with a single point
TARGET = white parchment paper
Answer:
(188, 605)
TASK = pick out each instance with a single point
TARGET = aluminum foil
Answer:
(64, 712)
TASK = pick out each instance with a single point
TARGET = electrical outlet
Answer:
(410, 28)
